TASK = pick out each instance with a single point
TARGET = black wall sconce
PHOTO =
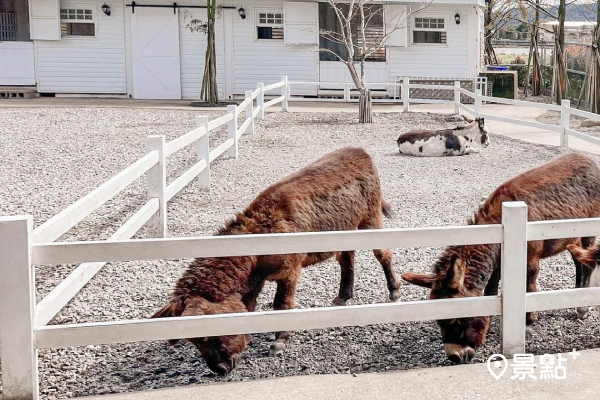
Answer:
(242, 13)
(457, 18)
(106, 9)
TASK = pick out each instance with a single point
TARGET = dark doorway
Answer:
(14, 21)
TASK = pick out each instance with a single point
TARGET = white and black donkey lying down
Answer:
(459, 141)
(341, 191)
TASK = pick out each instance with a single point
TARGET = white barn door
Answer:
(155, 53)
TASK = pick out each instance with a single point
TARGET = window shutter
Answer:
(44, 19)
(396, 22)
(301, 23)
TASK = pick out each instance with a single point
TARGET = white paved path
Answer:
(472, 381)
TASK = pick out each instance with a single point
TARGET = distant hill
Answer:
(580, 12)
(575, 12)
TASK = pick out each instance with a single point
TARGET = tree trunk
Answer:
(595, 59)
(489, 53)
(209, 91)
(365, 112)
(560, 65)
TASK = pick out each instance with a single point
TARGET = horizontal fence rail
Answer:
(262, 244)
(75, 213)
(261, 322)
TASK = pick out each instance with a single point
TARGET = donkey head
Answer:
(484, 133)
(461, 336)
(221, 353)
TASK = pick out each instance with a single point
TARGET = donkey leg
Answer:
(346, 261)
(491, 289)
(250, 299)
(533, 267)
(582, 275)
(284, 300)
(384, 256)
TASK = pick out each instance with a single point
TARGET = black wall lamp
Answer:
(242, 13)
(457, 18)
(106, 9)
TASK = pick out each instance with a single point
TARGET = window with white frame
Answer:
(429, 30)
(269, 25)
(78, 21)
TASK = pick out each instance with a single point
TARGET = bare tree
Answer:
(209, 91)
(355, 22)
(497, 15)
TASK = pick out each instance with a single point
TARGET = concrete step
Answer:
(18, 92)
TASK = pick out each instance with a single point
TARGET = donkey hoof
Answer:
(394, 295)
(583, 312)
(528, 331)
(277, 348)
(338, 301)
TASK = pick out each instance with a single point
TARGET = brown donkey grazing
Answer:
(340, 191)
(568, 187)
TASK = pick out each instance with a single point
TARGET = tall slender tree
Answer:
(208, 91)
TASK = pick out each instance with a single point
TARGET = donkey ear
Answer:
(174, 308)
(585, 256)
(423, 280)
(455, 274)
(467, 120)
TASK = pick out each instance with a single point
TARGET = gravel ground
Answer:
(51, 157)
(553, 117)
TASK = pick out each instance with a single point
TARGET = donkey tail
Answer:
(387, 209)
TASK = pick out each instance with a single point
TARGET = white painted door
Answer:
(155, 53)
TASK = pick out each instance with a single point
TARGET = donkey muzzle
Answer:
(459, 354)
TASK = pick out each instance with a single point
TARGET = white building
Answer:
(122, 47)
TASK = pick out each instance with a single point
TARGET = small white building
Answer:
(145, 50)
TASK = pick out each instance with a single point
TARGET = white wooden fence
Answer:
(23, 323)
(475, 109)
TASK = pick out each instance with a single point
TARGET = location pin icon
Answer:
(497, 365)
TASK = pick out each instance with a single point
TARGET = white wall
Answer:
(85, 64)
(266, 60)
(450, 60)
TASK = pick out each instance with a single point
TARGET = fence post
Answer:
(565, 121)
(346, 93)
(406, 94)
(285, 92)
(514, 278)
(157, 187)
(232, 127)
(204, 153)
(17, 310)
(456, 97)
(250, 112)
(477, 108)
(260, 100)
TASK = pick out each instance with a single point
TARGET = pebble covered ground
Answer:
(51, 157)
(553, 117)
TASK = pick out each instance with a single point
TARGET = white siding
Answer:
(449, 60)
(266, 60)
(85, 65)
(192, 46)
